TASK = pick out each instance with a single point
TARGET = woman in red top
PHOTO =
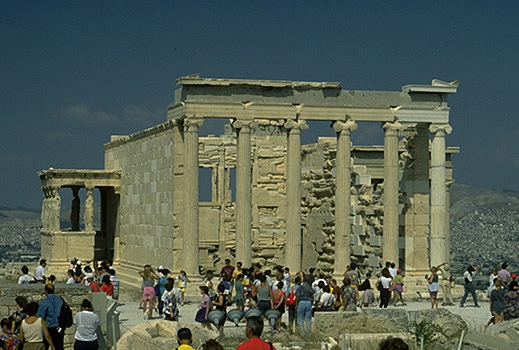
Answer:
(107, 286)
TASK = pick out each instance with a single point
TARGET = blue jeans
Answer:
(469, 288)
(304, 314)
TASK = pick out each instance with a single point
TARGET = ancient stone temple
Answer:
(273, 200)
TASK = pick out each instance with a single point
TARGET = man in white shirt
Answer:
(39, 274)
(25, 278)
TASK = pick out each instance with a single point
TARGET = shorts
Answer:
(434, 294)
(148, 293)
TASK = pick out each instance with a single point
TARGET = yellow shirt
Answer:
(184, 347)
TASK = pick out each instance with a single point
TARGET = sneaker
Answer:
(444, 304)
(477, 306)
(461, 305)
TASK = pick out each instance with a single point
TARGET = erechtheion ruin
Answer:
(324, 204)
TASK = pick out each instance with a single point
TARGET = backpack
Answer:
(65, 318)
(291, 298)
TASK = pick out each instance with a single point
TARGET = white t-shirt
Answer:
(25, 279)
(40, 272)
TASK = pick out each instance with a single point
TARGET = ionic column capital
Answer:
(348, 125)
(244, 125)
(192, 124)
(445, 128)
(393, 127)
(296, 125)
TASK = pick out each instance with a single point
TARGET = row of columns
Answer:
(293, 252)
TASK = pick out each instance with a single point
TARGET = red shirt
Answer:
(107, 288)
(255, 344)
(94, 287)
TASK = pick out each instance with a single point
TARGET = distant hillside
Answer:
(484, 228)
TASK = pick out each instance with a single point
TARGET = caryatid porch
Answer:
(420, 109)
(59, 245)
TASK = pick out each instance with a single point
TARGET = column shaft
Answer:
(88, 217)
(343, 196)
(293, 252)
(438, 194)
(391, 189)
(243, 194)
(190, 222)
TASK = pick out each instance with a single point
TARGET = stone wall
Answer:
(72, 293)
(145, 221)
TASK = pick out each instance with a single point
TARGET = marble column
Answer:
(438, 193)
(55, 205)
(88, 216)
(243, 192)
(447, 223)
(220, 198)
(293, 252)
(343, 195)
(390, 250)
(190, 224)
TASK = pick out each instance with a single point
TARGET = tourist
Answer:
(70, 277)
(25, 278)
(107, 286)
(398, 289)
(8, 338)
(86, 322)
(19, 315)
(349, 298)
(497, 301)
(184, 339)
(317, 294)
(315, 283)
(51, 279)
(327, 300)
(212, 344)
(287, 277)
(49, 310)
(148, 292)
(353, 274)
(262, 291)
(304, 298)
(253, 331)
(227, 270)
(239, 292)
(469, 286)
(278, 302)
(513, 284)
(169, 300)
(392, 270)
(311, 276)
(221, 304)
(433, 286)
(446, 279)
(208, 282)
(160, 287)
(385, 285)
(511, 304)
(89, 281)
(34, 329)
(493, 276)
(115, 281)
(182, 284)
(337, 298)
(368, 296)
(504, 274)
(290, 302)
(204, 308)
(39, 274)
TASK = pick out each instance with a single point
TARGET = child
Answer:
(51, 279)
(398, 289)
(8, 338)
(182, 284)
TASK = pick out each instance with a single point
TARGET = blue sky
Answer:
(74, 73)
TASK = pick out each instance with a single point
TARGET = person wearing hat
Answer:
(94, 287)
(398, 289)
(184, 338)
(514, 286)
